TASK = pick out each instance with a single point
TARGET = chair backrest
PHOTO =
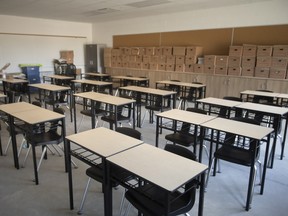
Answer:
(129, 132)
(262, 99)
(37, 103)
(232, 98)
(181, 151)
(54, 124)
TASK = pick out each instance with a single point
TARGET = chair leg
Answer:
(8, 144)
(26, 156)
(80, 211)
(42, 157)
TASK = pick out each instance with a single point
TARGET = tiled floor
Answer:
(226, 193)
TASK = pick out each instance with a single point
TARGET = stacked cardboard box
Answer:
(68, 55)
(234, 60)
(279, 62)
(248, 61)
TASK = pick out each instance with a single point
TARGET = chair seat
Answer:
(88, 112)
(181, 138)
(150, 200)
(111, 118)
(50, 137)
(234, 155)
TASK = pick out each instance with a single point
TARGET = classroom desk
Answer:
(177, 115)
(147, 92)
(53, 94)
(15, 85)
(158, 167)
(136, 80)
(96, 76)
(245, 95)
(113, 101)
(273, 112)
(282, 99)
(93, 85)
(94, 145)
(185, 88)
(211, 102)
(58, 79)
(245, 130)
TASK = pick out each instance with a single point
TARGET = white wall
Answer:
(271, 12)
(38, 41)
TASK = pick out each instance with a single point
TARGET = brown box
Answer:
(248, 71)
(142, 51)
(154, 59)
(264, 51)
(178, 51)
(149, 51)
(170, 67)
(235, 51)
(249, 50)
(194, 51)
(277, 73)
(210, 59)
(167, 50)
(221, 70)
(138, 65)
(161, 59)
(126, 64)
(68, 55)
(190, 60)
(107, 61)
(198, 68)
(248, 61)
(180, 67)
(158, 51)
(279, 62)
(114, 64)
(189, 68)
(132, 58)
(132, 65)
(222, 61)
(234, 61)
(123, 58)
(107, 51)
(162, 67)
(134, 51)
(139, 58)
(262, 72)
(264, 61)
(234, 71)
(209, 69)
(146, 58)
(170, 59)
(119, 64)
(127, 51)
(115, 52)
(144, 65)
(280, 51)
(180, 59)
(153, 66)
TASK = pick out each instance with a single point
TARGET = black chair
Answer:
(263, 99)
(241, 151)
(151, 201)
(96, 172)
(223, 111)
(43, 134)
(185, 136)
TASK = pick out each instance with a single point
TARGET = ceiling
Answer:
(92, 11)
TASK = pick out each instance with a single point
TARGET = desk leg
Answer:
(157, 131)
(284, 137)
(107, 190)
(273, 149)
(69, 169)
(265, 164)
(14, 142)
(201, 195)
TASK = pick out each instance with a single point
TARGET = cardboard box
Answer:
(114, 64)
(68, 55)
(249, 50)
(279, 62)
(194, 51)
(125, 64)
(170, 59)
(210, 60)
(180, 60)
(280, 51)
(153, 66)
(262, 72)
(235, 51)
(115, 52)
(162, 67)
(107, 61)
(248, 61)
(277, 73)
(167, 50)
(234, 71)
(146, 58)
(149, 51)
(161, 59)
(248, 71)
(179, 51)
(107, 51)
(189, 60)
(119, 64)
(180, 67)
(134, 51)
(158, 51)
(189, 67)
(264, 61)
(222, 61)
(144, 65)
(138, 65)
(209, 69)
(142, 51)
(132, 65)
(221, 70)
(264, 51)
(132, 58)
(198, 68)
(234, 61)
(78, 71)
(139, 58)
(170, 67)
(154, 59)
(124, 58)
